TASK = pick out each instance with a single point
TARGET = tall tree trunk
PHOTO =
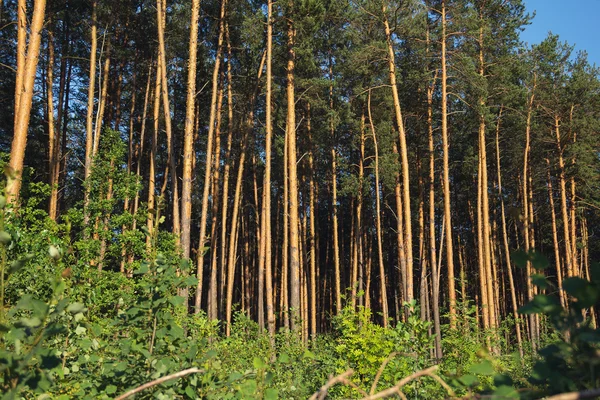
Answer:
(293, 178)
(487, 253)
(237, 199)
(89, 130)
(432, 228)
(162, 59)
(188, 137)
(209, 155)
(266, 252)
(101, 102)
(216, 181)
(312, 253)
(513, 295)
(226, 172)
(23, 112)
(563, 200)
(446, 147)
(404, 160)
(559, 272)
(53, 136)
(152, 163)
(384, 303)
(334, 201)
(21, 55)
(526, 230)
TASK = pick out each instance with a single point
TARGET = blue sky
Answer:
(575, 21)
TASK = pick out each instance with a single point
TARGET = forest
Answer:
(296, 199)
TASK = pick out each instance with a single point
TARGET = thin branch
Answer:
(158, 381)
(322, 392)
(380, 371)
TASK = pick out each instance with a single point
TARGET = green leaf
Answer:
(483, 368)
(30, 322)
(17, 265)
(540, 281)
(111, 389)
(190, 392)
(259, 363)
(271, 394)
(586, 294)
(520, 258)
(284, 358)
(234, 376)
(542, 304)
(75, 308)
(538, 261)
(5, 237)
(468, 380)
(176, 300)
(506, 392)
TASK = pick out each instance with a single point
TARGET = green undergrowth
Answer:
(68, 330)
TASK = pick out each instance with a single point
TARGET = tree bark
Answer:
(382, 283)
(208, 173)
(188, 137)
(23, 113)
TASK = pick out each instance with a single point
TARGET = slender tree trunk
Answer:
(293, 179)
(526, 230)
(101, 102)
(513, 295)
(559, 272)
(357, 264)
(446, 147)
(334, 201)
(487, 253)
(162, 59)
(23, 112)
(188, 137)
(89, 137)
(266, 252)
(404, 160)
(213, 302)
(432, 242)
(53, 136)
(384, 304)
(237, 199)
(21, 55)
(152, 163)
(312, 232)
(226, 172)
(209, 155)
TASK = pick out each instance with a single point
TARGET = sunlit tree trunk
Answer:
(404, 160)
(23, 111)
(152, 163)
(334, 201)
(188, 136)
(446, 170)
(293, 178)
(53, 136)
(513, 294)
(559, 272)
(209, 156)
(237, 199)
(382, 283)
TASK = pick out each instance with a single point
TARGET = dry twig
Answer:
(322, 392)
(158, 381)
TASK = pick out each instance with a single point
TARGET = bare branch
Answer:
(158, 381)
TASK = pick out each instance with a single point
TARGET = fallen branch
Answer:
(586, 394)
(381, 368)
(396, 389)
(322, 392)
(158, 381)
